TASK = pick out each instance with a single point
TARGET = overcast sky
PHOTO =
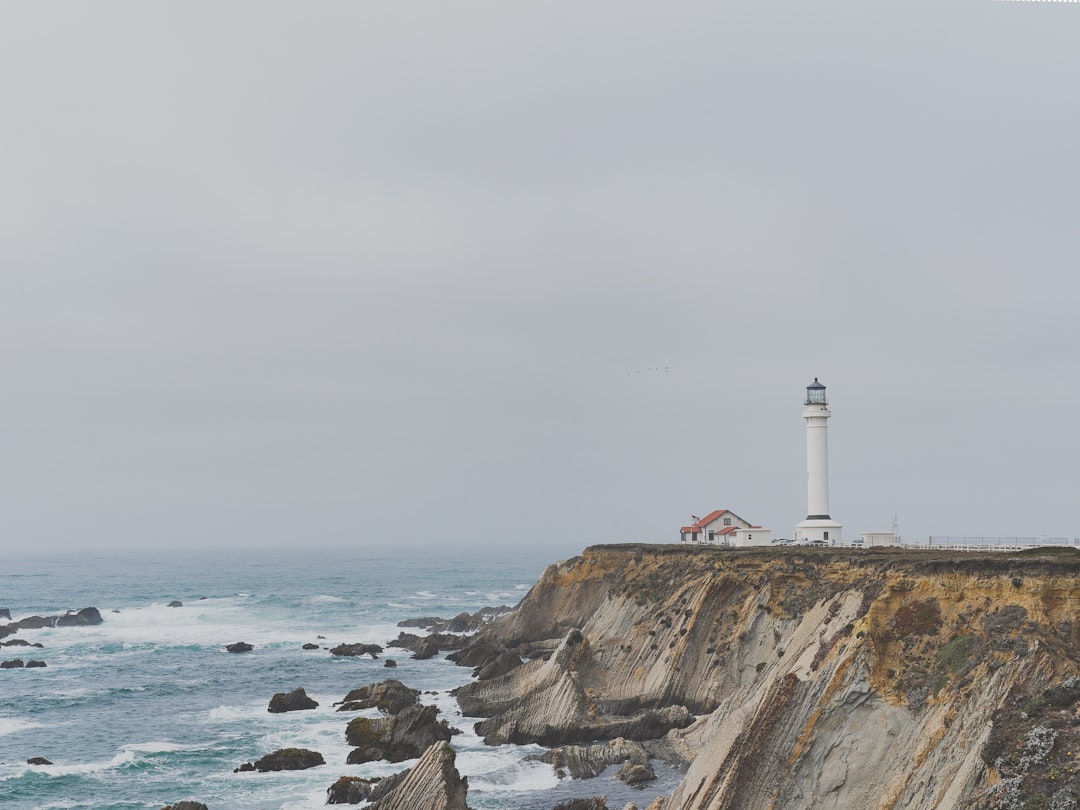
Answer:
(510, 274)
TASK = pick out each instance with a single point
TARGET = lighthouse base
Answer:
(817, 531)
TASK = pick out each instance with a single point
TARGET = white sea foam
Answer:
(13, 725)
(209, 622)
(503, 772)
(158, 747)
(324, 598)
(122, 758)
(231, 714)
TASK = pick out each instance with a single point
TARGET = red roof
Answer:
(709, 518)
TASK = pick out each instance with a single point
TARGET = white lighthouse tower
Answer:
(818, 526)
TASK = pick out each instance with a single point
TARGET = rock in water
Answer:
(5, 613)
(285, 759)
(34, 664)
(175, 603)
(351, 650)
(597, 803)
(432, 784)
(588, 761)
(351, 790)
(636, 774)
(38, 761)
(390, 697)
(14, 663)
(87, 617)
(239, 647)
(396, 738)
(294, 701)
(186, 806)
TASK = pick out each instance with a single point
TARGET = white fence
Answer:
(994, 543)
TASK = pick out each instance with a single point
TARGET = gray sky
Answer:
(534, 273)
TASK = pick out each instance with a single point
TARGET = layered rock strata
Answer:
(816, 678)
(433, 783)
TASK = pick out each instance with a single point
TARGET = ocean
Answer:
(148, 708)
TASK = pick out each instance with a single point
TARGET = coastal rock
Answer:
(390, 697)
(38, 761)
(14, 663)
(310, 646)
(425, 648)
(498, 666)
(175, 603)
(462, 623)
(20, 642)
(480, 652)
(423, 622)
(351, 650)
(186, 806)
(397, 737)
(351, 790)
(285, 759)
(433, 783)
(596, 803)
(636, 774)
(87, 617)
(34, 623)
(35, 664)
(390, 662)
(296, 700)
(404, 640)
(588, 761)
(546, 702)
(239, 647)
(5, 613)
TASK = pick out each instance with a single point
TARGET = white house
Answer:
(716, 527)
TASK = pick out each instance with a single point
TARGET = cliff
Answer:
(806, 678)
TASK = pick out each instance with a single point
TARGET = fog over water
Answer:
(533, 275)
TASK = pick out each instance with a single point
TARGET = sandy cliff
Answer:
(790, 678)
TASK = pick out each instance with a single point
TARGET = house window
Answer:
(712, 536)
(727, 521)
(826, 535)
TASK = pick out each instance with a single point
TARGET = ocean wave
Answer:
(157, 747)
(118, 761)
(324, 598)
(13, 725)
(502, 771)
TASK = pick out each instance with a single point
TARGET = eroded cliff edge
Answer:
(811, 678)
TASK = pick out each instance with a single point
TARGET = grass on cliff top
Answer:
(1057, 555)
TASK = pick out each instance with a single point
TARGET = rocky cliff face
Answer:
(815, 678)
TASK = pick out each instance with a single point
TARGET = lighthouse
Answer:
(819, 527)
